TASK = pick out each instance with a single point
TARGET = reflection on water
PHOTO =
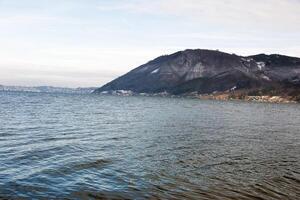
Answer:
(95, 147)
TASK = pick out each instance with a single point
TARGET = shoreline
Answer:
(215, 96)
(222, 96)
(259, 99)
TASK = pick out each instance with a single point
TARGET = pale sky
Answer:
(81, 43)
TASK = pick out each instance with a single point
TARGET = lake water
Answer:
(89, 147)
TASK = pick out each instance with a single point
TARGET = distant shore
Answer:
(241, 95)
(47, 89)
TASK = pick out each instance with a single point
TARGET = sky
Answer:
(83, 43)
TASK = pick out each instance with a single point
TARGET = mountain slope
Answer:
(208, 71)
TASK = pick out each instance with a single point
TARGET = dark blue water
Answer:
(94, 147)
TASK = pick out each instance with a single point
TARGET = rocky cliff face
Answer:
(208, 71)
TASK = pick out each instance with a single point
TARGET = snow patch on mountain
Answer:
(260, 65)
(155, 71)
(266, 77)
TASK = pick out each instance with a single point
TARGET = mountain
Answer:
(212, 72)
(47, 89)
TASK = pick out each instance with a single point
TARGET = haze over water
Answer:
(73, 146)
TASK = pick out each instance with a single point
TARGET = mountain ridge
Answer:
(205, 71)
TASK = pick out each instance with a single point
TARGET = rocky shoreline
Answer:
(222, 96)
(263, 99)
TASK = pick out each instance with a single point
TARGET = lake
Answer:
(96, 147)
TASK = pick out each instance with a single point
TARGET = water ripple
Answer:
(55, 146)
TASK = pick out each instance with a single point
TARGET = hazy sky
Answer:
(89, 42)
